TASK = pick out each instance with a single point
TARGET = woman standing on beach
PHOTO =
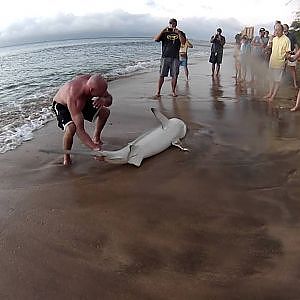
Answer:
(184, 58)
(237, 58)
(245, 56)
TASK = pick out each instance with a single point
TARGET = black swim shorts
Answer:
(64, 117)
(216, 57)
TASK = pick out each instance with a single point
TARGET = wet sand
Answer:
(218, 222)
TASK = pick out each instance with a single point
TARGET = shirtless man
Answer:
(83, 98)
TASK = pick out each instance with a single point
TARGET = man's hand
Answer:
(99, 102)
(97, 155)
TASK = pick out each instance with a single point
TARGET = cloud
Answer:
(118, 23)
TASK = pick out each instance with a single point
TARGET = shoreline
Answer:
(218, 222)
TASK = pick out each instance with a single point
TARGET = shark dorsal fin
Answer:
(160, 117)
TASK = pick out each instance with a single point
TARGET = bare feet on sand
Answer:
(267, 96)
(174, 94)
(295, 108)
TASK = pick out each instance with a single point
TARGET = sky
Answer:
(23, 21)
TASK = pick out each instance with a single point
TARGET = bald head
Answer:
(97, 85)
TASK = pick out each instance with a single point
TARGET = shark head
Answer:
(180, 127)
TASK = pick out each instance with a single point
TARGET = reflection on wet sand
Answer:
(216, 93)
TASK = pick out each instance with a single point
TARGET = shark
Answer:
(169, 132)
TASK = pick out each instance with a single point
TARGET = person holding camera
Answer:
(216, 55)
(171, 38)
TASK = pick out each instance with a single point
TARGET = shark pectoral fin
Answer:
(179, 145)
(135, 158)
(160, 117)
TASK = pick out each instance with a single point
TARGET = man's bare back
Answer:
(75, 89)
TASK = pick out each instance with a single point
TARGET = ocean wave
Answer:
(14, 134)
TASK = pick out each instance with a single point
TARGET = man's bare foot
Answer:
(271, 99)
(67, 161)
(295, 108)
(174, 94)
(267, 96)
(157, 96)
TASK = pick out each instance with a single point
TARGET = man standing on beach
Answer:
(171, 38)
(216, 55)
(83, 98)
(280, 47)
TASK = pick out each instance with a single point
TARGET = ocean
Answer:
(31, 74)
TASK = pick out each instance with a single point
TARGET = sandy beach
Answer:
(218, 222)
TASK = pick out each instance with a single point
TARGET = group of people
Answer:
(86, 97)
(266, 54)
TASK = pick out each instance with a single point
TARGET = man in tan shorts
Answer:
(280, 47)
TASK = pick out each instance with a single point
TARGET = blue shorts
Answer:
(183, 62)
(169, 64)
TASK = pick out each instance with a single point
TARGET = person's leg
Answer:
(239, 71)
(160, 83)
(277, 73)
(272, 76)
(271, 88)
(213, 66)
(165, 65)
(275, 90)
(174, 84)
(186, 70)
(68, 142)
(174, 71)
(218, 69)
(293, 73)
(219, 61)
(244, 71)
(297, 106)
(103, 115)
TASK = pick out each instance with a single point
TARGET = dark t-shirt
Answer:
(170, 44)
(217, 45)
(293, 40)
